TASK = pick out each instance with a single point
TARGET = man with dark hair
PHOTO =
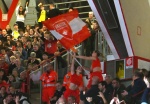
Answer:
(59, 92)
(118, 88)
(136, 90)
(105, 90)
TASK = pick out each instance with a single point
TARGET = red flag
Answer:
(68, 28)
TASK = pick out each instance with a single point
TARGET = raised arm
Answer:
(26, 8)
(17, 9)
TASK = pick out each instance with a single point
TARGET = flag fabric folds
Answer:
(68, 28)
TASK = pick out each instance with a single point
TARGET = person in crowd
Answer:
(90, 19)
(12, 65)
(49, 79)
(76, 82)
(61, 100)
(32, 58)
(16, 74)
(133, 95)
(9, 99)
(19, 67)
(115, 100)
(62, 63)
(11, 79)
(145, 97)
(108, 79)
(20, 13)
(18, 57)
(3, 65)
(59, 92)
(21, 98)
(95, 67)
(29, 47)
(66, 80)
(93, 92)
(42, 14)
(50, 44)
(38, 51)
(15, 32)
(23, 52)
(23, 81)
(3, 92)
(4, 35)
(106, 92)
(71, 100)
(70, 9)
(3, 75)
(10, 43)
(53, 11)
(27, 28)
(35, 73)
(118, 88)
(8, 29)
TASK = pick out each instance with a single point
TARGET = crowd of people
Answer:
(26, 53)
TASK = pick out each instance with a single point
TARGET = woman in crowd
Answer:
(95, 67)
(20, 13)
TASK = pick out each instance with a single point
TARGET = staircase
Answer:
(31, 16)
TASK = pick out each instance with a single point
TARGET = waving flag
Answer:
(68, 28)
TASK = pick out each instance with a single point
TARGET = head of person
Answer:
(11, 89)
(11, 78)
(9, 37)
(95, 80)
(137, 74)
(51, 6)
(12, 59)
(45, 56)
(8, 27)
(116, 83)
(79, 70)
(15, 26)
(23, 75)
(9, 98)
(49, 67)
(4, 32)
(42, 7)
(35, 47)
(33, 55)
(95, 25)
(59, 86)
(96, 53)
(91, 15)
(102, 85)
(48, 36)
(108, 79)
(15, 72)
(2, 89)
(71, 100)
(70, 9)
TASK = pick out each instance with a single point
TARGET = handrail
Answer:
(76, 7)
(66, 2)
(50, 59)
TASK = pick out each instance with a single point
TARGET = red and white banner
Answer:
(68, 28)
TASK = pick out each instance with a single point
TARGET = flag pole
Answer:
(79, 64)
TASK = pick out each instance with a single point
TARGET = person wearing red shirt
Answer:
(49, 79)
(95, 67)
(76, 83)
(50, 44)
(3, 65)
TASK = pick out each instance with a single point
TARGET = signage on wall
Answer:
(129, 62)
(4, 17)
